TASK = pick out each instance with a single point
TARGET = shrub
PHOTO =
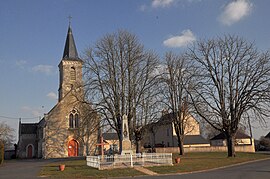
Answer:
(1, 152)
(265, 143)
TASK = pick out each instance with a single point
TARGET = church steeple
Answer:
(70, 68)
(70, 51)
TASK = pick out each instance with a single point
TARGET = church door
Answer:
(29, 151)
(73, 148)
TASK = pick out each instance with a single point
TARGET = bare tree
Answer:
(232, 83)
(175, 81)
(119, 77)
(208, 131)
(6, 134)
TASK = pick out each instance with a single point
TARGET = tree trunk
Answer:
(138, 146)
(120, 143)
(181, 145)
(230, 146)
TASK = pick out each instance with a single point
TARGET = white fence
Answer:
(122, 161)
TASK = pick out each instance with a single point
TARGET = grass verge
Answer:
(79, 169)
(191, 162)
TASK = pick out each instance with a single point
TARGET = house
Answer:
(240, 139)
(111, 142)
(162, 133)
(70, 127)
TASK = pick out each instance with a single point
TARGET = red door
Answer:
(73, 148)
(29, 151)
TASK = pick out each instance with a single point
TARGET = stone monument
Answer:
(126, 144)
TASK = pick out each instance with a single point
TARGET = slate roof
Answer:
(70, 51)
(239, 135)
(110, 136)
(29, 128)
(166, 119)
(195, 139)
(268, 135)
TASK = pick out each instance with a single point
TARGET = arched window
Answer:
(72, 74)
(71, 121)
(74, 119)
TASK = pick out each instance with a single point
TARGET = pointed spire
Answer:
(70, 51)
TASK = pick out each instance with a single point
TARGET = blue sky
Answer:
(33, 32)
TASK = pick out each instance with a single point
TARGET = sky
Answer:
(33, 32)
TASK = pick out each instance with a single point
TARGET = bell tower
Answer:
(70, 68)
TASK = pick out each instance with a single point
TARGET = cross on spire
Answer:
(69, 19)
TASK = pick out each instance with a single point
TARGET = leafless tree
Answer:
(232, 83)
(6, 134)
(119, 76)
(175, 82)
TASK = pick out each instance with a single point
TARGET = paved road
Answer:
(28, 169)
(21, 168)
(254, 170)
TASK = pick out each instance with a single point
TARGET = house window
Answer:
(73, 119)
(168, 132)
(72, 74)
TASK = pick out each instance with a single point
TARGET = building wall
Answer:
(58, 133)
(222, 142)
(66, 83)
(239, 148)
(192, 127)
(165, 134)
(24, 141)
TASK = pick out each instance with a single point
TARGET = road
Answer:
(21, 168)
(254, 170)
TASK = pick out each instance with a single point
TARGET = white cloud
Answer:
(52, 95)
(20, 63)
(47, 69)
(34, 111)
(165, 3)
(162, 3)
(235, 11)
(182, 40)
(143, 7)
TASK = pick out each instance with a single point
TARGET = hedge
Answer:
(1, 152)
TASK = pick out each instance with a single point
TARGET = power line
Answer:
(8, 117)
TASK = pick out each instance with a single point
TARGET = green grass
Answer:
(190, 162)
(79, 169)
(203, 161)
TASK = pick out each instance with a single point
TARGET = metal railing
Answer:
(122, 161)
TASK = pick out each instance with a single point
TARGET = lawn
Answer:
(190, 162)
(79, 169)
(203, 161)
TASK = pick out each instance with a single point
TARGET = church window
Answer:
(71, 121)
(74, 119)
(72, 74)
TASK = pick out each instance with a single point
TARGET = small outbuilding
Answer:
(240, 139)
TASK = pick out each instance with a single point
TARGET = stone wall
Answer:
(239, 148)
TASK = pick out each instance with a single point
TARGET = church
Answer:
(70, 128)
